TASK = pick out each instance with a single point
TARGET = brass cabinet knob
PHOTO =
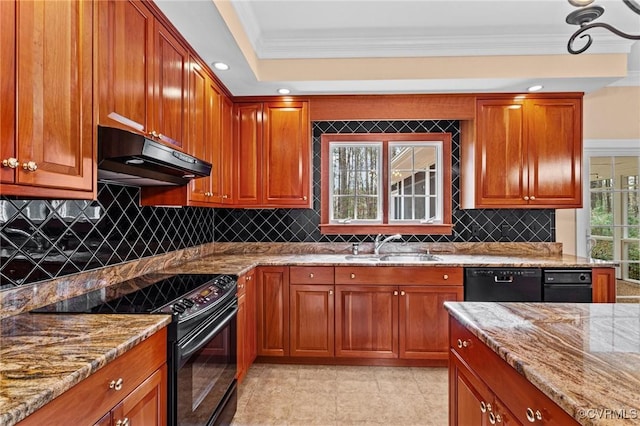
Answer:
(311, 275)
(224, 197)
(353, 276)
(483, 406)
(154, 134)
(304, 198)
(492, 418)
(116, 384)
(395, 292)
(402, 293)
(11, 162)
(464, 344)
(445, 276)
(533, 197)
(330, 291)
(30, 166)
(526, 198)
(123, 422)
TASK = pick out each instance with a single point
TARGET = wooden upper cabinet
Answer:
(554, 141)
(272, 154)
(528, 152)
(287, 154)
(8, 90)
(247, 153)
(222, 187)
(47, 74)
(142, 74)
(170, 87)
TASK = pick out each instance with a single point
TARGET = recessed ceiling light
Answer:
(220, 66)
(535, 88)
(284, 91)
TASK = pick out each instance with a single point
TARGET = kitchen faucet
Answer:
(378, 243)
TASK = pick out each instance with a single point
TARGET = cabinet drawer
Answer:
(311, 275)
(398, 275)
(92, 397)
(515, 391)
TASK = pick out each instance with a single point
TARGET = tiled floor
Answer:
(342, 395)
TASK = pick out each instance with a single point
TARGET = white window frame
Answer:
(598, 148)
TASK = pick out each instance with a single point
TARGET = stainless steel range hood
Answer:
(128, 158)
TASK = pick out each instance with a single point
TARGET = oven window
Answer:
(206, 376)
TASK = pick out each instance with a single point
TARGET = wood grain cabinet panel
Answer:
(143, 73)
(48, 132)
(366, 321)
(246, 339)
(424, 323)
(272, 286)
(311, 320)
(272, 154)
(528, 152)
(146, 405)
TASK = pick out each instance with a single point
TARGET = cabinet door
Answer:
(554, 141)
(223, 169)
(312, 316)
(273, 311)
(170, 88)
(287, 154)
(125, 60)
(424, 323)
(468, 396)
(8, 90)
(105, 421)
(248, 153)
(147, 404)
(366, 321)
(202, 121)
(241, 319)
(250, 286)
(54, 77)
(501, 168)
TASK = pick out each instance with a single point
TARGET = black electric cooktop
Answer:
(183, 295)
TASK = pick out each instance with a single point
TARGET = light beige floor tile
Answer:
(399, 386)
(357, 386)
(313, 407)
(317, 372)
(393, 373)
(317, 386)
(360, 407)
(276, 385)
(355, 373)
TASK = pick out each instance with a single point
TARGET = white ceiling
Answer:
(350, 46)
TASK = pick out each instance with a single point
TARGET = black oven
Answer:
(201, 356)
(205, 358)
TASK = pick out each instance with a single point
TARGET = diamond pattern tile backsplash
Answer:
(301, 225)
(43, 239)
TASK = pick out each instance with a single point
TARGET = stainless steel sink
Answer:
(394, 257)
(409, 257)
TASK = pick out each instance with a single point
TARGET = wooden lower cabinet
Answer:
(272, 303)
(424, 323)
(484, 389)
(141, 397)
(366, 321)
(311, 320)
(246, 323)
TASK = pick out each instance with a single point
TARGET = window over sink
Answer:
(386, 183)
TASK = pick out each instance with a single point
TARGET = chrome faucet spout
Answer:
(379, 242)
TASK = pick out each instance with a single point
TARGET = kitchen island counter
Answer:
(584, 357)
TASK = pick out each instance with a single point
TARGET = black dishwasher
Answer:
(503, 284)
(567, 285)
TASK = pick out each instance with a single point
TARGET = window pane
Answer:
(602, 231)
(601, 208)
(603, 249)
(344, 183)
(413, 175)
(600, 173)
(367, 182)
(343, 207)
(367, 208)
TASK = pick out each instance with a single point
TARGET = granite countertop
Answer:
(585, 357)
(241, 263)
(43, 355)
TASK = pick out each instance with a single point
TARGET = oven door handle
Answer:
(188, 348)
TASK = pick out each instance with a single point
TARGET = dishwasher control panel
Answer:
(567, 276)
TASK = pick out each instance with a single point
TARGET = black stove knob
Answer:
(179, 308)
(188, 302)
